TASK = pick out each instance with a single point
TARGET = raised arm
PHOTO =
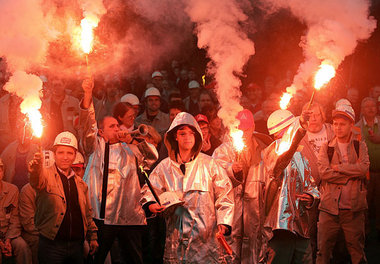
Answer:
(87, 119)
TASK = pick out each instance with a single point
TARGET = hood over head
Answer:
(170, 141)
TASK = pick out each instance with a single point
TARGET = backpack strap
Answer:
(330, 152)
(356, 146)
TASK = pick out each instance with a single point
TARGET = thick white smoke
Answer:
(334, 29)
(24, 41)
(219, 31)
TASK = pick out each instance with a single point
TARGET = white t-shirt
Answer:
(316, 140)
(343, 150)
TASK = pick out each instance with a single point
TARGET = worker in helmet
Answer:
(290, 190)
(63, 210)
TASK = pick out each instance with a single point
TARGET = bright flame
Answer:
(237, 139)
(285, 99)
(87, 36)
(35, 119)
(325, 73)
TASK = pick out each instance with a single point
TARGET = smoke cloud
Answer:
(334, 29)
(219, 31)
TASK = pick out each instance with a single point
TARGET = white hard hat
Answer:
(345, 110)
(278, 120)
(157, 74)
(342, 101)
(194, 84)
(48, 158)
(66, 139)
(78, 158)
(152, 91)
(130, 98)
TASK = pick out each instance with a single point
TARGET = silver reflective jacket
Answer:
(247, 229)
(286, 212)
(123, 189)
(208, 201)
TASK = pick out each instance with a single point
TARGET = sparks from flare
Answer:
(325, 73)
(286, 140)
(285, 99)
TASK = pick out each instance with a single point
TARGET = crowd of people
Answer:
(129, 171)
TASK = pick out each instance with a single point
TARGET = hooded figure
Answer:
(204, 189)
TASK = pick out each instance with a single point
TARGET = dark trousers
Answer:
(329, 229)
(129, 241)
(286, 247)
(59, 252)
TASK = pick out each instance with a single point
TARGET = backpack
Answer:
(330, 150)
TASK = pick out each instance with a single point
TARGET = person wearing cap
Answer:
(202, 185)
(343, 164)
(27, 210)
(113, 181)
(191, 102)
(369, 125)
(63, 210)
(152, 115)
(78, 165)
(290, 190)
(157, 79)
(245, 169)
(132, 100)
(11, 242)
(210, 143)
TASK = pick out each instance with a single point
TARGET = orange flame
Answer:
(35, 119)
(237, 139)
(325, 73)
(87, 35)
(285, 99)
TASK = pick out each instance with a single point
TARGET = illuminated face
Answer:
(185, 138)
(153, 103)
(315, 121)
(129, 118)
(205, 130)
(342, 127)
(369, 109)
(173, 112)
(64, 157)
(110, 129)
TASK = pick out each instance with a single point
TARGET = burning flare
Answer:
(325, 73)
(35, 119)
(87, 35)
(237, 139)
(285, 99)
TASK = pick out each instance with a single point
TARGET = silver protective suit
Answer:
(247, 229)
(208, 200)
(123, 188)
(286, 212)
